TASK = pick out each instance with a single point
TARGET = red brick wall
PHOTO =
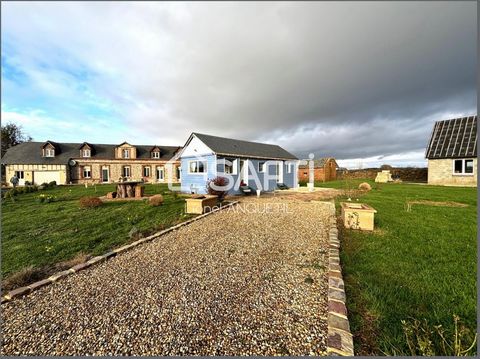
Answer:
(327, 173)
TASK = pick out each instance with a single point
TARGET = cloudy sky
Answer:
(363, 82)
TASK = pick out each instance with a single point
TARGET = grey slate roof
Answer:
(31, 153)
(454, 138)
(318, 163)
(227, 146)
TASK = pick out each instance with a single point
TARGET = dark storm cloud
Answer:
(349, 80)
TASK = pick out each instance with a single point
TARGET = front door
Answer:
(160, 174)
(105, 174)
(21, 177)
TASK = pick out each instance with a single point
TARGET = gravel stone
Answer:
(231, 283)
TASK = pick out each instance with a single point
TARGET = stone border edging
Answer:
(339, 338)
(18, 292)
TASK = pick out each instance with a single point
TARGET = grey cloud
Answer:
(345, 79)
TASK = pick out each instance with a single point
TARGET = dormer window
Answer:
(126, 153)
(86, 153)
(49, 152)
(156, 154)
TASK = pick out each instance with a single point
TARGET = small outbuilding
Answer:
(452, 152)
(324, 169)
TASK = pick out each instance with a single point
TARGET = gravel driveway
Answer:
(229, 284)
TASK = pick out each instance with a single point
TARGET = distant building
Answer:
(64, 163)
(325, 169)
(452, 152)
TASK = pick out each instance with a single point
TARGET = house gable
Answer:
(125, 151)
(50, 149)
(195, 147)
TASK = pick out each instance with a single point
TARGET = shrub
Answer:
(46, 198)
(52, 184)
(28, 183)
(156, 200)
(90, 202)
(364, 186)
(219, 182)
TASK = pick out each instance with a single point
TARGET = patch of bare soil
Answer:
(438, 203)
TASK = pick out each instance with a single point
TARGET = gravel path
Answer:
(229, 284)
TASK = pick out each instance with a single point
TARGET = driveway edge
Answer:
(19, 292)
(339, 339)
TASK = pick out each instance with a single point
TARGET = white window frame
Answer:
(261, 167)
(161, 170)
(155, 154)
(20, 174)
(126, 153)
(197, 173)
(463, 173)
(49, 152)
(144, 169)
(289, 167)
(86, 153)
(84, 170)
(233, 164)
(129, 171)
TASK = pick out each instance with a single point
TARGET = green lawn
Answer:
(38, 235)
(420, 264)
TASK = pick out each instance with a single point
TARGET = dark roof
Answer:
(318, 163)
(454, 138)
(31, 153)
(228, 146)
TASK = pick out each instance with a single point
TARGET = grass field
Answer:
(420, 264)
(40, 235)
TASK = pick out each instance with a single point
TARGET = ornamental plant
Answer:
(219, 182)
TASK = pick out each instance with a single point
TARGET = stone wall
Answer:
(440, 172)
(115, 169)
(406, 174)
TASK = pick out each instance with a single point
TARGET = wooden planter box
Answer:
(358, 216)
(200, 205)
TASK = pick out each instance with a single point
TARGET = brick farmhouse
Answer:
(324, 169)
(73, 163)
(452, 152)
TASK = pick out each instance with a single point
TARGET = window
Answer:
(87, 172)
(19, 174)
(160, 173)
(126, 171)
(469, 166)
(289, 167)
(126, 153)
(179, 171)
(86, 153)
(261, 167)
(156, 154)
(49, 152)
(197, 167)
(146, 171)
(228, 165)
(463, 167)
